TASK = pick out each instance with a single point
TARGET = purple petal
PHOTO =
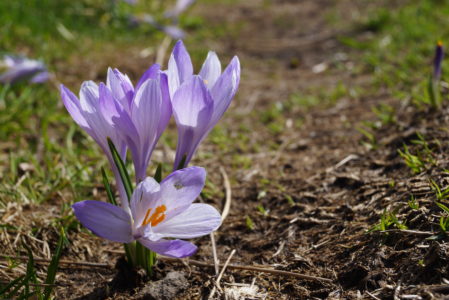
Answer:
(170, 248)
(211, 69)
(105, 220)
(192, 109)
(121, 87)
(89, 97)
(173, 31)
(97, 115)
(224, 90)
(180, 67)
(146, 114)
(145, 196)
(72, 105)
(40, 77)
(198, 220)
(181, 188)
(115, 114)
(166, 106)
(20, 68)
(181, 6)
(151, 73)
(439, 56)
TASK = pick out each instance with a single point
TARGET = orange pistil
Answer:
(157, 217)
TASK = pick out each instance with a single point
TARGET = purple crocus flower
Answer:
(158, 211)
(131, 117)
(438, 60)
(198, 101)
(180, 7)
(171, 30)
(21, 69)
(147, 111)
(87, 112)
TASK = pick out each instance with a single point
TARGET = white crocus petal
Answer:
(145, 196)
(198, 220)
(72, 105)
(211, 69)
(181, 188)
(105, 220)
(89, 95)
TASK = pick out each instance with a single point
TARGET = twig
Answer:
(343, 162)
(227, 185)
(39, 284)
(160, 55)
(251, 268)
(224, 267)
(397, 290)
(214, 253)
(371, 295)
(409, 231)
(221, 274)
(67, 262)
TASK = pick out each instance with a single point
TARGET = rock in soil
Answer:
(167, 288)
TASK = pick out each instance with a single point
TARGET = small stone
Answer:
(164, 289)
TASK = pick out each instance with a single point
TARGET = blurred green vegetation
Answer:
(398, 44)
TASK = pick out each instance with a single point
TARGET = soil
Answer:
(321, 188)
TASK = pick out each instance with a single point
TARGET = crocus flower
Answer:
(145, 114)
(87, 113)
(171, 30)
(438, 60)
(180, 7)
(21, 69)
(158, 211)
(198, 101)
(131, 117)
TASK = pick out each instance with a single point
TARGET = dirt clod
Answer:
(164, 289)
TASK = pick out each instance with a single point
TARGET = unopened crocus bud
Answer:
(438, 60)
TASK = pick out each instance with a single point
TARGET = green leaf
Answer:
(53, 266)
(30, 269)
(121, 169)
(443, 224)
(158, 173)
(443, 207)
(182, 162)
(18, 286)
(108, 188)
(11, 284)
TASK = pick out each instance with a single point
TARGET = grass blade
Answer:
(11, 284)
(442, 206)
(18, 287)
(53, 266)
(31, 272)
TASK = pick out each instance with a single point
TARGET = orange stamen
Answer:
(157, 217)
(146, 216)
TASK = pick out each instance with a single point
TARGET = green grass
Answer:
(400, 49)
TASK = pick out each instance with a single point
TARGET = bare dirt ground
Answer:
(322, 190)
